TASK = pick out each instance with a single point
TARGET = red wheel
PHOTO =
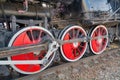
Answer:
(30, 35)
(73, 51)
(99, 45)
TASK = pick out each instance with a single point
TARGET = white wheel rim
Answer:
(62, 35)
(99, 26)
(12, 40)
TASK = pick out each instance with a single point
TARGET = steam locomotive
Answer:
(71, 27)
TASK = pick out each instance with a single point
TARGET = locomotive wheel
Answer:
(99, 45)
(73, 51)
(26, 36)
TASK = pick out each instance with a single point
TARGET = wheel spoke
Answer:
(104, 41)
(70, 35)
(73, 36)
(96, 33)
(81, 46)
(99, 31)
(79, 51)
(77, 33)
(100, 47)
(102, 31)
(32, 35)
(26, 38)
(81, 35)
(74, 52)
(40, 34)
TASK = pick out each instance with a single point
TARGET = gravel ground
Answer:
(105, 66)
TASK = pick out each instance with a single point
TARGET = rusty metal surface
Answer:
(9, 51)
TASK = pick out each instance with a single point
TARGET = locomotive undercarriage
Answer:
(68, 36)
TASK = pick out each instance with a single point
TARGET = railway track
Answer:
(87, 67)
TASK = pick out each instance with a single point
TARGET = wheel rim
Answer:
(26, 36)
(73, 51)
(99, 45)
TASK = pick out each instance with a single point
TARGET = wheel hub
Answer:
(75, 44)
(99, 40)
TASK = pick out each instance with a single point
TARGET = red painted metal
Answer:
(99, 44)
(25, 38)
(74, 51)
